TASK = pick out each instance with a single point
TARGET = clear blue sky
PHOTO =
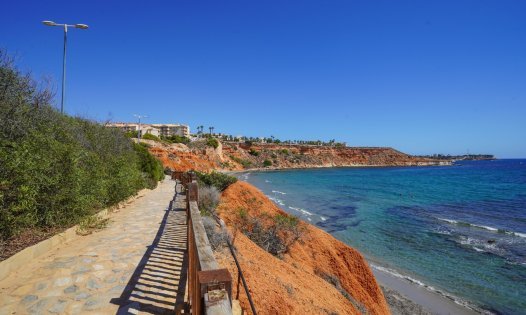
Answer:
(420, 76)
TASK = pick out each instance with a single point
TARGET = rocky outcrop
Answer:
(239, 156)
(318, 275)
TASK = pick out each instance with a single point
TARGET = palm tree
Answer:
(212, 128)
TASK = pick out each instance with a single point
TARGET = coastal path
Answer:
(137, 264)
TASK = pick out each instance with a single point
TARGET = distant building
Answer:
(165, 130)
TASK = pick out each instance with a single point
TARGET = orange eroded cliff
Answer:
(239, 156)
(297, 284)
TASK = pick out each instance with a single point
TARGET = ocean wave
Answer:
(447, 295)
(301, 210)
(267, 181)
(276, 200)
(323, 218)
(279, 192)
(483, 227)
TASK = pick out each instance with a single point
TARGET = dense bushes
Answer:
(267, 163)
(149, 136)
(212, 142)
(177, 139)
(56, 170)
(218, 180)
(151, 167)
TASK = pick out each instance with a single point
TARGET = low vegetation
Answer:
(267, 163)
(176, 139)
(209, 197)
(244, 163)
(91, 224)
(212, 142)
(218, 180)
(56, 170)
(149, 136)
(273, 234)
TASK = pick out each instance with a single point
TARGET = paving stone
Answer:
(82, 296)
(71, 289)
(41, 286)
(58, 307)
(38, 307)
(93, 304)
(98, 267)
(62, 281)
(28, 299)
(80, 270)
(92, 284)
(110, 280)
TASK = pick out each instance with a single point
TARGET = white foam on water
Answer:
(323, 218)
(276, 200)
(279, 192)
(301, 210)
(448, 220)
(484, 227)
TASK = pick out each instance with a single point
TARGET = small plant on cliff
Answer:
(274, 234)
(217, 236)
(212, 142)
(267, 163)
(218, 180)
(177, 139)
(208, 199)
(149, 136)
(253, 152)
(244, 163)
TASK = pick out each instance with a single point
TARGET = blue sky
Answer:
(421, 76)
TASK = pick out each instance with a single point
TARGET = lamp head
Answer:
(49, 23)
(81, 26)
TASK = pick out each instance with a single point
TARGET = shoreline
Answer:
(405, 297)
(270, 169)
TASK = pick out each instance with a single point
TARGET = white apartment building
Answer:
(167, 130)
(164, 130)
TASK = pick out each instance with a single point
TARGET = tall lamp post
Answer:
(65, 26)
(139, 116)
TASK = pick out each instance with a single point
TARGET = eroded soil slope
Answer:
(318, 275)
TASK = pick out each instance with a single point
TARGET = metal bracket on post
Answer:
(213, 282)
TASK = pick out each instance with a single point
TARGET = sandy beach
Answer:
(405, 297)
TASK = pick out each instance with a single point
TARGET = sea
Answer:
(459, 231)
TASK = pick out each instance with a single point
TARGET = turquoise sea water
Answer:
(458, 230)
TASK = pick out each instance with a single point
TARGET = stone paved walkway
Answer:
(132, 266)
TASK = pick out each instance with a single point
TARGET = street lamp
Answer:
(139, 116)
(65, 26)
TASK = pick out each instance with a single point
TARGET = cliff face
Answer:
(318, 275)
(239, 156)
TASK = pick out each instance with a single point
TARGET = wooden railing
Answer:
(209, 287)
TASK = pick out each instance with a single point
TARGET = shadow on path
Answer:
(158, 284)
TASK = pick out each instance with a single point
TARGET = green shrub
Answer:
(56, 170)
(267, 163)
(132, 134)
(151, 167)
(218, 180)
(276, 236)
(253, 152)
(149, 136)
(177, 139)
(212, 142)
(244, 163)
